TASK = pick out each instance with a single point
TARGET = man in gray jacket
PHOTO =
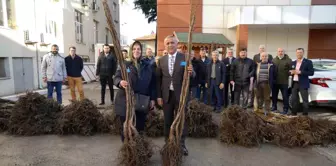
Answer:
(54, 72)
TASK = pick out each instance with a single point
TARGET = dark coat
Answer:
(106, 65)
(220, 73)
(164, 78)
(142, 83)
(197, 66)
(307, 70)
(74, 66)
(204, 65)
(242, 70)
(227, 64)
(272, 73)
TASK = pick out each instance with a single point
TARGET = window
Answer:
(79, 26)
(51, 27)
(4, 67)
(324, 65)
(106, 35)
(95, 27)
(7, 13)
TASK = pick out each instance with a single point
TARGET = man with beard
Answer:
(170, 72)
(54, 72)
(242, 72)
(282, 64)
(106, 69)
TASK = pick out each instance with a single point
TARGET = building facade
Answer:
(28, 29)
(289, 24)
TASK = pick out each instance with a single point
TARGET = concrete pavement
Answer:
(102, 150)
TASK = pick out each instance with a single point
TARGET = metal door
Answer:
(28, 73)
(19, 84)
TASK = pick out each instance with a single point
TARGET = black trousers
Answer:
(244, 90)
(140, 123)
(106, 80)
(296, 99)
(228, 87)
(169, 109)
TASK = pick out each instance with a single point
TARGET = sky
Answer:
(133, 23)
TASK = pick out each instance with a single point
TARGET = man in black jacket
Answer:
(241, 74)
(202, 90)
(228, 62)
(106, 69)
(197, 65)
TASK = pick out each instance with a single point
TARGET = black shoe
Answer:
(102, 103)
(185, 150)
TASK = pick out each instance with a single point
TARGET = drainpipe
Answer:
(37, 54)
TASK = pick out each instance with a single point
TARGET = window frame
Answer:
(79, 26)
(5, 15)
(5, 68)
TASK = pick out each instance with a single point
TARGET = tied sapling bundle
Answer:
(136, 150)
(172, 151)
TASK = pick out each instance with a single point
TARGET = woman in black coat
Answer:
(141, 75)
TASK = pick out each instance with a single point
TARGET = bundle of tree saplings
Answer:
(155, 124)
(246, 128)
(303, 131)
(113, 121)
(6, 107)
(241, 127)
(83, 118)
(34, 114)
(199, 120)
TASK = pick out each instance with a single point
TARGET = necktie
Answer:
(171, 65)
(230, 60)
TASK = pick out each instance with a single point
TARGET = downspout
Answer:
(37, 54)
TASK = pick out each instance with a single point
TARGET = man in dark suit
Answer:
(227, 63)
(302, 68)
(202, 92)
(257, 59)
(170, 71)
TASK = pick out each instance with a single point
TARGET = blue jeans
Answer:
(140, 123)
(58, 86)
(215, 93)
(202, 90)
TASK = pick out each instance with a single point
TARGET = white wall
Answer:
(274, 37)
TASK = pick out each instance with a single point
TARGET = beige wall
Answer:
(289, 38)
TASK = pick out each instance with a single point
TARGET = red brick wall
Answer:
(322, 43)
(173, 15)
(241, 37)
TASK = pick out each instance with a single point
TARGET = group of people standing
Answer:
(158, 81)
(256, 80)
